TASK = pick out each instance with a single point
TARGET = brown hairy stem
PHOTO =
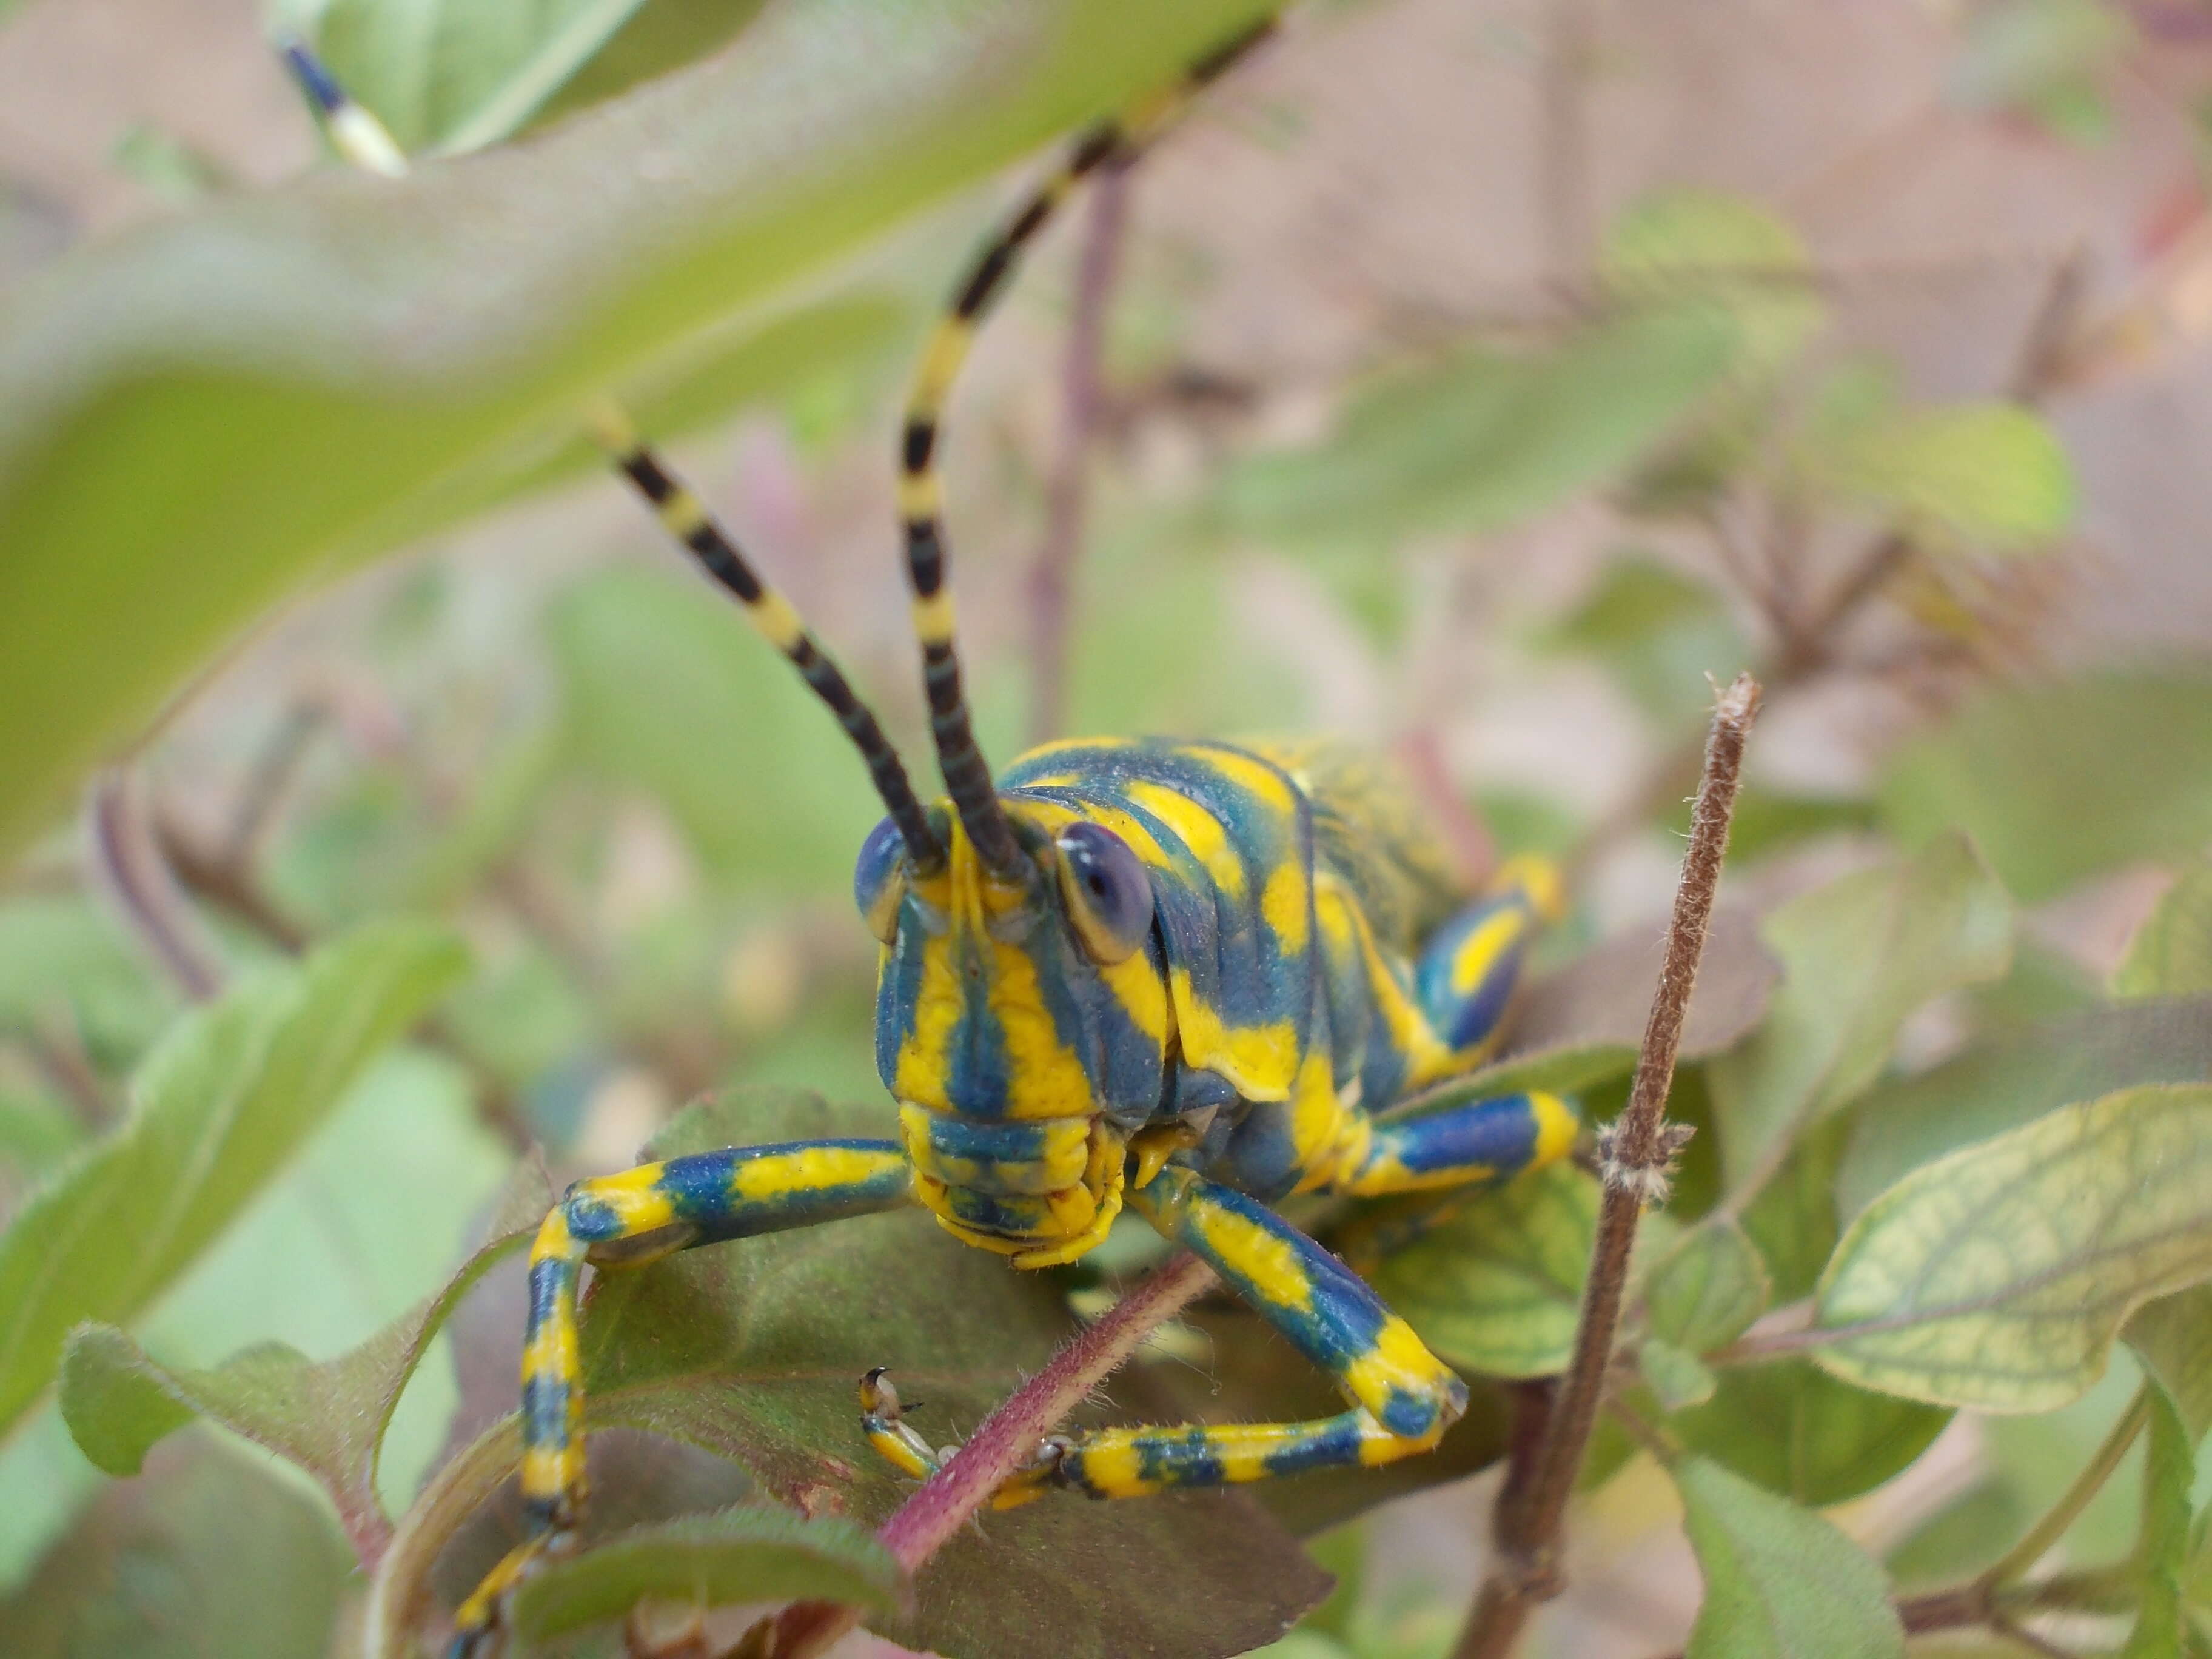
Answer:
(1635, 1153)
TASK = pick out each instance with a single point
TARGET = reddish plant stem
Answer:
(1067, 494)
(128, 860)
(1005, 1440)
(1635, 1153)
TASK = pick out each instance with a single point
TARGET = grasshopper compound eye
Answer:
(879, 880)
(1108, 897)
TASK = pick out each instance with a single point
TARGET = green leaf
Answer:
(1780, 1582)
(1484, 440)
(1496, 1289)
(753, 1552)
(1659, 635)
(1858, 956)
(1997, 1276)
(2014, 1077)
(2037, 55)
(454, 77)
(211, 1552)
(196, 416)
(751, 1351)
(2170, 955)
(1993, 474)
(216, 1110)
(1689, 243)
(2058, 782)
(654, 666)
(1793, 1220)
(2172, 1337)
(170, 167)
(2169, 1470)
(328, 1419)
(1798, 1431)
(1707, 1289)
(1677, 1377)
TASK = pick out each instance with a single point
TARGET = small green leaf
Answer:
(1780, 1582)
(1707, 1289)
(2058, 782)
(1858, 956)
(1798, 1431)
(66, 964)
(1677, 1377)
(1993, 474)
(2014, 1077)
(1997, 1276)
(168, 167)
(753, 1552)
(1485, 439)
(1497, 1288)
(328, 1419)
(2169, 1470)
(1793, 1221)
(217, 1108)
(2170, 955)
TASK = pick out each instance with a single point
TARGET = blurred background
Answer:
(1359, 448)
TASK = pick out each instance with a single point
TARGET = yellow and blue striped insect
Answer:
(1183, 978)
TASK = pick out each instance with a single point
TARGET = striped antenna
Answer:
(362, 140)
(685, 518)
(967, 775)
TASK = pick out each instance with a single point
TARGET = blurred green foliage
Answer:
(280, 1214)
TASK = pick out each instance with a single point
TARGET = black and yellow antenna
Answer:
(967, 775)
(360, 138)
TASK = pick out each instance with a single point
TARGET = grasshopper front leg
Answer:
(624, 1220)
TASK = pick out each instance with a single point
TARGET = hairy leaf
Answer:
(2014, 1077)
(1780, 1581)
(2058, 782)
(329, 1418)
(1997, 1276)
(1496, 1289)
(1858, 956)
(193, 416)
(1707, 1289)
(216, 1109)
(1796, 1430)
(1676, 1375)
(753, 1552)
(2170, 955)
